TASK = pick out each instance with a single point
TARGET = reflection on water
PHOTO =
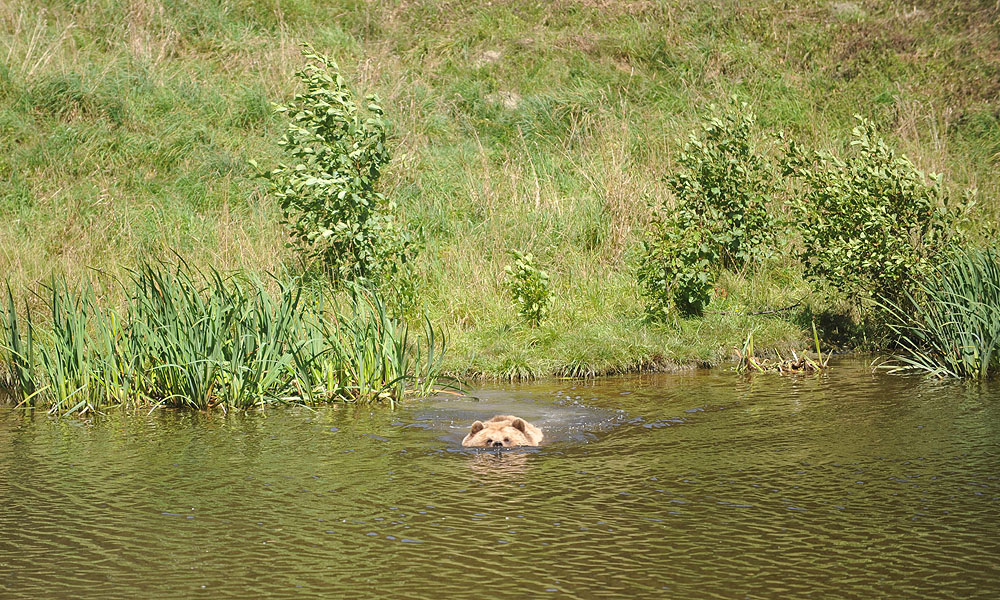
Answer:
(699, 485)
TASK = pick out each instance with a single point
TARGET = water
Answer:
(699, 485)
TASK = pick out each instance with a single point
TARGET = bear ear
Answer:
(519, 425)
(477, 427)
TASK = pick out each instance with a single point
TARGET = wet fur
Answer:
(508, 430)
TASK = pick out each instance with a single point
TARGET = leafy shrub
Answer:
(723, 190)
(727, 187)
(329, 193)
(530, 287)
(675, 267)
(951, 326)
(872, 225)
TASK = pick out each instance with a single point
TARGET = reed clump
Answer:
(183, 338)
(950, 327)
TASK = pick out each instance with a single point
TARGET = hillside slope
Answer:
(126, 127)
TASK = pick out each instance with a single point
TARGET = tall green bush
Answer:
(675, 267)
(329, 192)
(726, 186)
(724, 190)
(872, 224)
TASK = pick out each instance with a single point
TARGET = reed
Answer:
(362, 352)
(951, 326)
(188, 339)
(17, 353)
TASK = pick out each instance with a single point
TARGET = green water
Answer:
(700, 485)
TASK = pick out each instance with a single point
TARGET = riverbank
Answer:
(127, 131)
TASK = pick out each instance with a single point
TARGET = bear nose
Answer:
(498, 444)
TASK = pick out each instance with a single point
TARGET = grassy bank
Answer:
(126, 128)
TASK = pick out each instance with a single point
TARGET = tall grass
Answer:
(951, 327)
(187, 339)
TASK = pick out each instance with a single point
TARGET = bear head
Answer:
(498, 434)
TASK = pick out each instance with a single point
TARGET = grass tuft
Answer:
(951, 326)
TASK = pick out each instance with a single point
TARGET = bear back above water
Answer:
(503, 431)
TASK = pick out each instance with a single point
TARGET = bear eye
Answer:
(489, 441)
(507, 440)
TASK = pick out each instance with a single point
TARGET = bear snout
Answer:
(498, 444)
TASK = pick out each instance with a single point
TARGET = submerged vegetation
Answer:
(181, 338)
(748, 362)
(128, 131)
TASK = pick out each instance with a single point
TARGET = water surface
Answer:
(698, 485)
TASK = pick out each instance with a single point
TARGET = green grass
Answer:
(126, 129)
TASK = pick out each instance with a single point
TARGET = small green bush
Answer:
(530, 288)
(675, 267)
(329, 193)
(871, 225)
(724, 189)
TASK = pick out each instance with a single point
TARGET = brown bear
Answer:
(503, 431)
